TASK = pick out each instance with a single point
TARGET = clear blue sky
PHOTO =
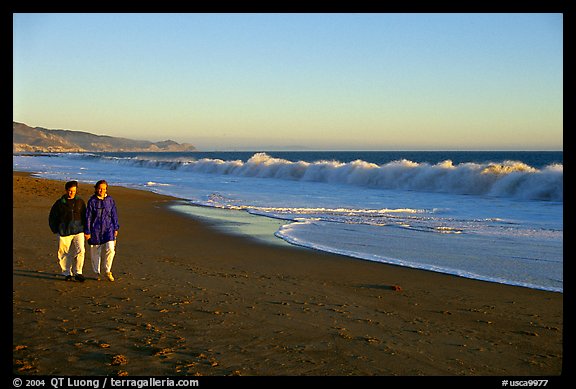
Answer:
(324, 81)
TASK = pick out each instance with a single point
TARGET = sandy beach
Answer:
(191, 300)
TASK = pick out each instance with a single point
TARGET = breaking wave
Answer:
(504, 179)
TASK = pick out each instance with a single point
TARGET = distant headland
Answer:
(38, 139)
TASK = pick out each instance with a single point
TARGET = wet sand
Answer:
(191, 300)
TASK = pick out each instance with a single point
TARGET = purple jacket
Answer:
(101, 220)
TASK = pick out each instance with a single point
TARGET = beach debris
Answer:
(20, 347)
(39, 310)
(104, 345)
(119, 359)
(396, 288)
(122, 373)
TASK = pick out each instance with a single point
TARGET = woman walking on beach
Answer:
(101, 228)
(67, 219)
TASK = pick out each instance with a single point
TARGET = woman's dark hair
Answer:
(100, 183)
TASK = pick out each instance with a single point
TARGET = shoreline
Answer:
(235, 222)
(263, 229)
(192, 300)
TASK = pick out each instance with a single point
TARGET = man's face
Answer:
(71, 192)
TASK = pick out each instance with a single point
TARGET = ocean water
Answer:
(493, 216)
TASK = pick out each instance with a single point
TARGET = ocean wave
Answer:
(504, 179)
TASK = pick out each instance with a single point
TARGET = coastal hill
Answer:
(38, 139)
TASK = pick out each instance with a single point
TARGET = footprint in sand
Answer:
(119, 359)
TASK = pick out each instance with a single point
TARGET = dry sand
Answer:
(190, 300)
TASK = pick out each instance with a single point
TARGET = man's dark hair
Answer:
(70, 184)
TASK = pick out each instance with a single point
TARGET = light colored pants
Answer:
(69, 248)
(96, 255)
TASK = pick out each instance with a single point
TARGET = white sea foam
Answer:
(469, 255)
(152, 183)
(505, 179)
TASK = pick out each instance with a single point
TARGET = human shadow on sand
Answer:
(40, 274)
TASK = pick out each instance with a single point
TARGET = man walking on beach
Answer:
(101, 228)
(67, 218)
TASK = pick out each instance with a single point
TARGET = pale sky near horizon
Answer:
(271, 81)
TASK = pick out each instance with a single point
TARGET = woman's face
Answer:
(101, 190)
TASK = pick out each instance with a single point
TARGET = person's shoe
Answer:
(68, 278)
(110, 276)
(80, 277)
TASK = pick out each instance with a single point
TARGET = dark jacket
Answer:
(67, 216)
(101, 220)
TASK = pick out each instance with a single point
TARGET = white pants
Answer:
(96, 255)
(67, 254)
